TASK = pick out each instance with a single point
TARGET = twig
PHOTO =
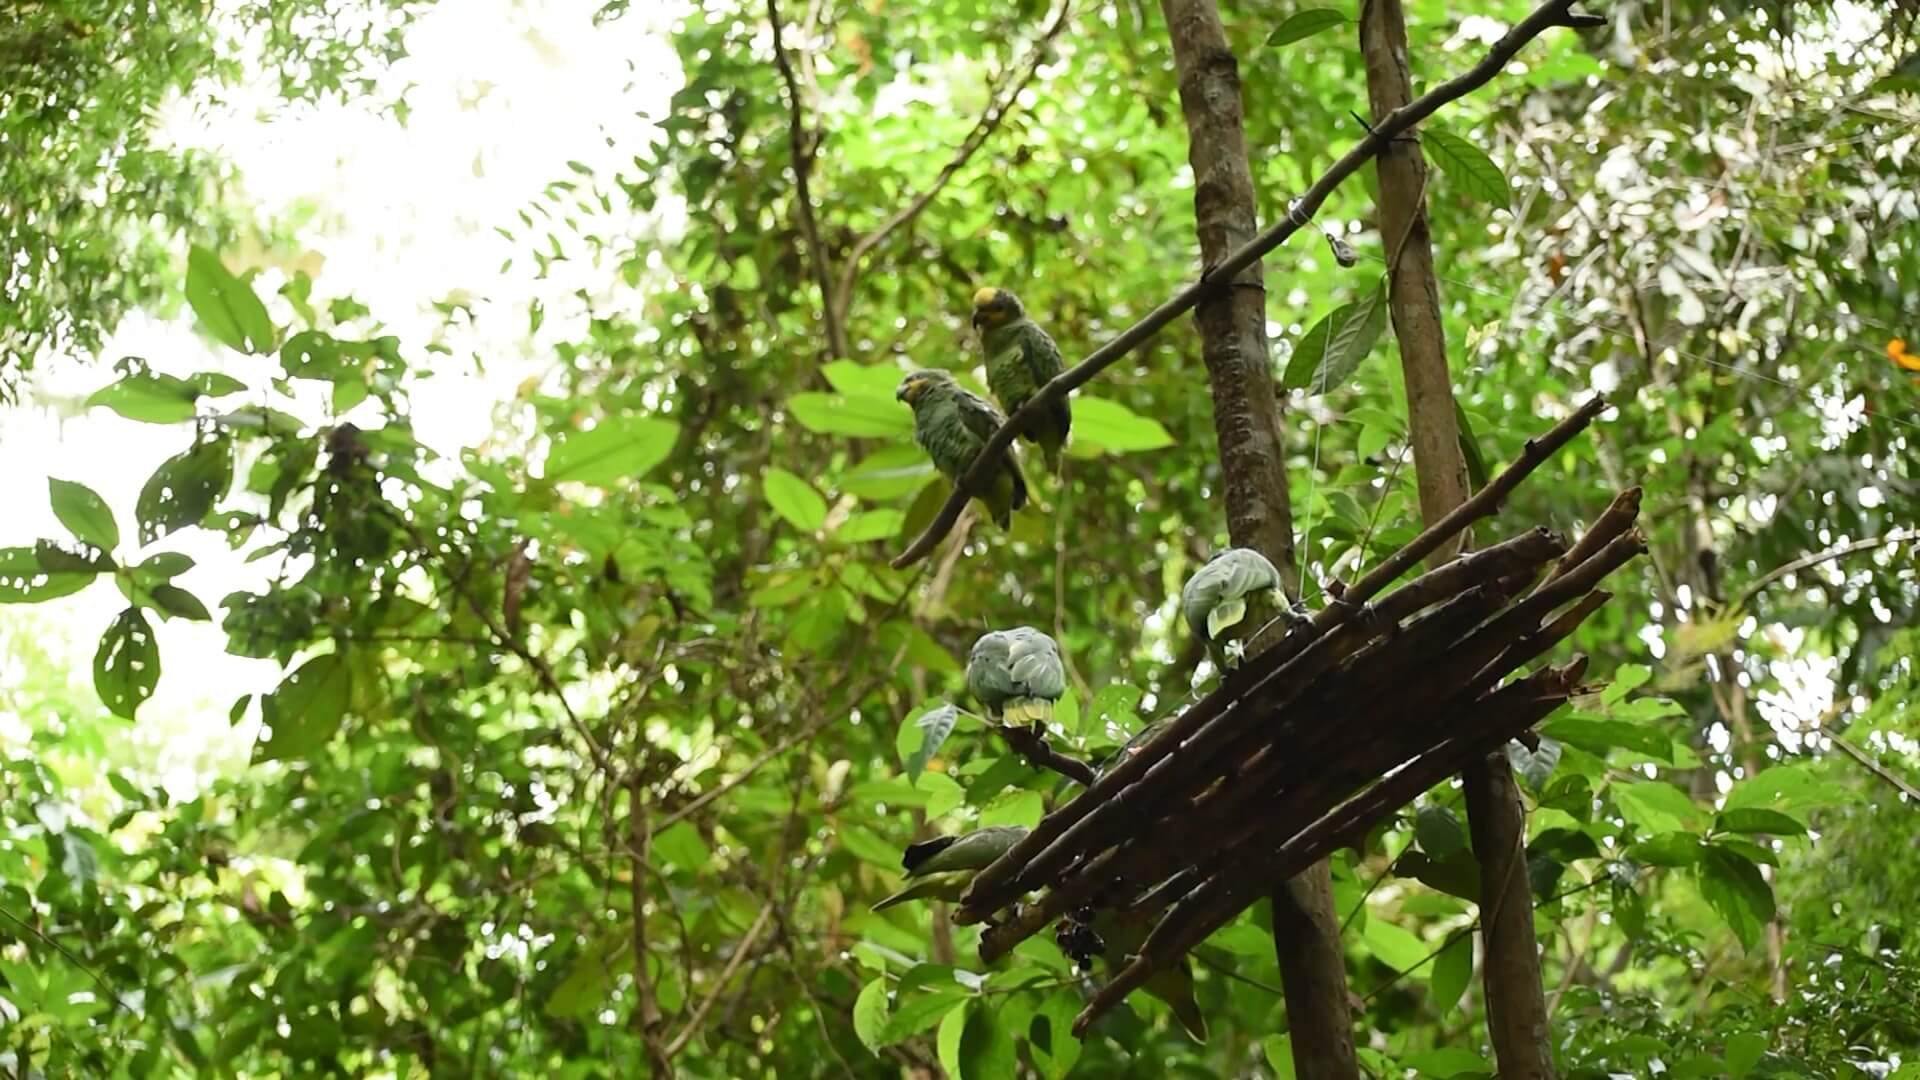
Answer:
(1032, 745)
(1797, 565)
(646, 1011)
(802, 154)
(1877, 769)
(112, 994)
(739, 957)
(998, 106)
(1550, 14)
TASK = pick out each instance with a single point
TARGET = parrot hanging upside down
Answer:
(1017, 675)
(1230, 599)
(947, 864)
(952, 424)
(1020, 359)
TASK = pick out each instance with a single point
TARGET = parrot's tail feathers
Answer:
(1029, 712)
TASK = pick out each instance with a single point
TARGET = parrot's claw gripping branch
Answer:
(1315, 739)
(1553, 13)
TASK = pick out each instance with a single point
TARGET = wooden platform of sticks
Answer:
(1314, 740)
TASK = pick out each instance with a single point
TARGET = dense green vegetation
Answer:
(636, 680)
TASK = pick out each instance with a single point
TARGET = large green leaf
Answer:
(861, 416)
(1114, 428)
(1332, 349)
(1304, 24)
(1734, 887)
(617, 449)
(24, 579)
(148, 397)
(84, 513)
(794, 500)
(126, 666)
(182, 490)
(227, 307)
(870, 1014)
(1469, 166)
(307, 708)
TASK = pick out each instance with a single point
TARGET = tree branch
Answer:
(802, 153)
(1797, 565)
(1553, 13)
(999, 104)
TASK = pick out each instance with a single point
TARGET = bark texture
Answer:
(1233, 332)
(1516, 1002)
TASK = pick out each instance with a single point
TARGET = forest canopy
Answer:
(520, 563)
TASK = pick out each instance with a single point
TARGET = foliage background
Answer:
(623, 638)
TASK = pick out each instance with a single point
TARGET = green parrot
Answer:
(1021, 358)
(1230, 599)
(1017, 675)
(1123, 936)
(952, 424)
(945, 865)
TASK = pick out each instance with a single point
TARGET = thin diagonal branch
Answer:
(740, 954)
(1898, 536)
(1553, 13)
(1000, 102)
(801, 148)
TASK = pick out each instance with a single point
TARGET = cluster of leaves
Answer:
(92, 204)
(599, 744)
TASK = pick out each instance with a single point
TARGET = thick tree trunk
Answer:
(1233, 332)
(1516, 1001)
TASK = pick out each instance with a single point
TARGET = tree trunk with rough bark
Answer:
(1516, 1001)
(1233, 333)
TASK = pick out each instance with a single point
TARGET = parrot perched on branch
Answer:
(1017, 675)
(946, 865)
(1020, 359)
(952, 424)
(1230, 599)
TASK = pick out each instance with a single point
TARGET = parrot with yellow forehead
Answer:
(1021, 358)
(952, 424)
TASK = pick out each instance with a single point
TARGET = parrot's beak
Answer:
(978, 318)
(905, 393)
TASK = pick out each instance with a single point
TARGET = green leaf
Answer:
(1655, 807)
(584, 987)
(794, 499)
(162, 567)
(1744, 1051)
(1626, 679)
(1439, 831)
(1786, 788)
(1279, 1053)
(307, 708)
(1452, 970)
(1447, 1061)
(1470, 448)
(935, 724)
(1332, 349)
(869, 525)
(1114, 428)
(148, 398)
(892, 472)
(1757, 819)
(1394, 945)
(680, 846)
(174, 600)
(870, 1014)
(126, 667)
(947, 1042)
(182, 490)
(84, 513)
(1597, 736)
(863, 844)
(617, 449)
(1055, 1052)
(915, 1014)
(987, 1051)
(1667, 849)
(861, 416)
(1304, 24)
(1469, 166)
(24, 580)
(227, 307)
(864, 380)
(1734, 887)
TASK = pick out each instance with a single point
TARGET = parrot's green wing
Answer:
(946, 887)
(990, 671)
(971, 851)
(1034, 661)
(980, 419)
(1224, 614)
